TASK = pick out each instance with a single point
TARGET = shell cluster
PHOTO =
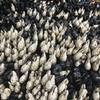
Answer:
(49, 50)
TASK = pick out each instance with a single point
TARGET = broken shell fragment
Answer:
(14, 78)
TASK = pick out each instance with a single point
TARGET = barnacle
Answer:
(49, 50)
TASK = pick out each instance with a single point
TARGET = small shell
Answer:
(27, 41)
(2, 68)
(23, 14)
(40, 34)
(38, 16)
(6, 93)
(8, 34)
(26, 67)
(63, 55)
(51, 49)
(96, 51)
(78, 42)
(29, 12)
(46, 25)
(38, 80)
(61, 26)
(14, 34)
(84, 38)
(62, 73)
(63, 95)
(21, 44)
(83, 92)
(25, 57)
(84, 30)
(20, 95)
(88, 64)
(44, 13)
(9, 58)
(45, 77)
(11, 86)
(2, 87)
(1, 57)
(86, 46)
(14, 43)
(17, 87)
(20, 62)
(85, 22)
(34, 12)
(78, 55)
(77, 63)
(35, 36)
(29, 85)
(44, 42)
(79, 11)
(53, 9)
(63, 31)
(30, 96)
(35, 64)
(56, 30)
(45, 35)
(22, 23)
(53, 59)
(41, 21)
(13, 7)
(76, 12)
(96, 94)
(53, 94)
(96, 65)
(71, 44)
(60, 14)
(38, 95)
(2, 45)
(32, 48)
(44, 96)
(80, 20)
(68, 41)
(70, 50)
(27, 27)
(66, 16)
(47, 65)
(63, 85)
(50, 83)
(59, 38)
(45, 48)
(31, 76)
(62, 42)
(57, 51)
(94, 59)
(83, 10)
(77, 23)
(14, 78)
(23, 78)
(36, 89)
(93, 43)
(7, 51)
(22, 52)
(43, 59)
